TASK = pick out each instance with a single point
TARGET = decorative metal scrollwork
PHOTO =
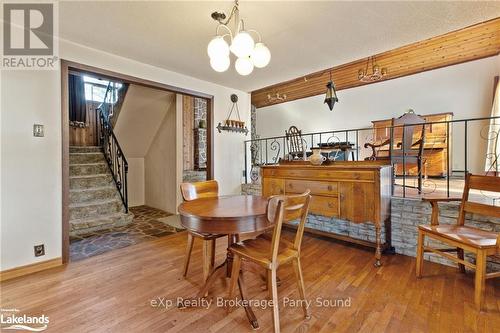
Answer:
(275, 146)
(113, 153)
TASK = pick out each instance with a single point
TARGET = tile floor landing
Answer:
(144, 227)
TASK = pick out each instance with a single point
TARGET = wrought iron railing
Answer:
(113, 153)
(467, 145)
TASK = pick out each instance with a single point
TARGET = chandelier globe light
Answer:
(244, 66)
(249, 53)
(242, 44)
(220, 64)
(261, 56)
(218, 48)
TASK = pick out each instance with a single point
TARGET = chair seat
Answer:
(470, 236)
(205, 236)
(258, 250)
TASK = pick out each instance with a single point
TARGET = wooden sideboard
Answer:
(435, 144)
(359, 192)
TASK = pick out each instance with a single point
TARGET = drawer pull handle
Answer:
(330, 205)
(330, 187)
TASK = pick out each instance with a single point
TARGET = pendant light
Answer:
(331, 94)
(248, 52)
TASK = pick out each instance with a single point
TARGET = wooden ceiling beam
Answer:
(471, 43)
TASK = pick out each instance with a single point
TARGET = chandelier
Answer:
(377, 73)
(249, 54)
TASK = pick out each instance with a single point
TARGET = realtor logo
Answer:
(28, 36)
(29, 29)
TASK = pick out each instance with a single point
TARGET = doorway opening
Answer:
(123, 139)
(194, 134)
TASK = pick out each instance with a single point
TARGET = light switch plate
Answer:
(38, 130)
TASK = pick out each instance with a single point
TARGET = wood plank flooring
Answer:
(112, 292)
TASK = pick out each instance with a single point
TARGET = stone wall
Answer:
(407, 214)
(200, 134)
(191, 176)
(187, 133)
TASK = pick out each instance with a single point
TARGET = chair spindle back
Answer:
(481, 183)
(286, 208)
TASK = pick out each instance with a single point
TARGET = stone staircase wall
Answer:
(95, 203)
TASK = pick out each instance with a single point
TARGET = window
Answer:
(95, 89)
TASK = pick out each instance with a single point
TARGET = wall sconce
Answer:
(276, 97)
(377, 73)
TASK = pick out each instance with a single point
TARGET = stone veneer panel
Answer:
(191, 176)
(407, 214)
(200, 134)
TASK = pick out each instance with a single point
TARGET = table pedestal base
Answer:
(220, 272)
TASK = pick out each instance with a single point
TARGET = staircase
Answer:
(95, 203)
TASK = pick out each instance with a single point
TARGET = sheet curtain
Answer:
(77, 101)
(492, 162)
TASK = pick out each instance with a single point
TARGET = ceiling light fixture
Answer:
(331, 94)
(242, 45)
(377, 73)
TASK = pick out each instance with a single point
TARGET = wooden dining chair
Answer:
(193, 191)
(463, 238)
(270, 251)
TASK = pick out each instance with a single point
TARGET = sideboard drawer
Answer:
(320, 188)
(319, 173)
(273, 186)
(326, 206)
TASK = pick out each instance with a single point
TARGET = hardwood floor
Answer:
(112, 292)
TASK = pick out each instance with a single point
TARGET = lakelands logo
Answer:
(10, 319)
(28, 36)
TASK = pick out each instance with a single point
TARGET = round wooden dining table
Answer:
(231, 216)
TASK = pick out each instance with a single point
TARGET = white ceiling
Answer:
(303, 36)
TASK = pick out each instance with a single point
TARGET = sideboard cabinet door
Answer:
(273, 186)
(357, 202)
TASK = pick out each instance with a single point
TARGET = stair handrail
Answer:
(112, 150)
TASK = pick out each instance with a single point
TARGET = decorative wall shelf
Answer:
(233, 125)
(221, 127)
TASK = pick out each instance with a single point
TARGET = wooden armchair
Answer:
(270, 251)
(407, 151)
(462, 238)
(193, 191)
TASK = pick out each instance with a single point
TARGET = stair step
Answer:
(85, 149)
(86, 158)
(83, 226)
(88, 169)
(95, 208)
(93, 194)
(90, 181)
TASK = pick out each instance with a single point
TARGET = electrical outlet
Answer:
(39, 250)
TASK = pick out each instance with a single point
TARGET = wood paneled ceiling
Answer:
(475, 42)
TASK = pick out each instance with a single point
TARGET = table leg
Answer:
(219, 272)
(378, 249)
(231, 239)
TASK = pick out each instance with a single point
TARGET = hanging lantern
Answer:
(331, 94)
